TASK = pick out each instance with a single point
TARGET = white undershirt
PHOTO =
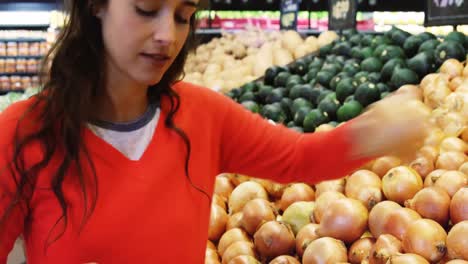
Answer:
(131, 144)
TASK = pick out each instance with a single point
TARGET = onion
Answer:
(244, 259)
(210, 244)
(407, 258)
(382, 165)
(452, 123)
(345, 219)
(325, 250)
(378, 216)
(333, 185)
(411, 89)
(234, 221)
(322, 203)
(231, 236)
(432, 177)
(435, 92)
(385, 247)
(423, 166)
(432, 203)
(459, 206)
(455, 83)
(401, 183)
(274, 239)
(243, 193)
(237, 179)
(360, 250)
(428, 79)
(223, 186)
(453, 144)
(364, 186)
(256, 212)
(398, 220)
(452, 181)
(274, 189)
(285, 260)
(211, 256)
(457, 261)
(464, 135)
(238, 248)
(464, 168)
(305, 236)
(219, 201)
(465, 70)
(457, 241)
(434, 138)
(295, 193)
(298, 215)
(218, 219)
(429, 152)
(426, 238)
(452, 67)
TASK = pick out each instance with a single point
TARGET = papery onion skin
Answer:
(360, 250)
(453, 144)
(457, 241)
(385, 247)
(218, 220)
(426, 238)
(219, 201)
(450, 160)
(326, 186)
(459, 206)
(407, 259)
(305, 236)
(429, 152)
(325, 250)
(364, 186)
(238, 248)
(464, 168)
(432, 178)
(423, 166)
(256, 212)
(378, 215)
(452, 67)
(452, 181)
(223, 186)
(234, 221)
(211, 256)
(433, 203)
(298, 215)
(285, 260)
(231, 236)
(210, 244)
(382, 165)
(273, 239)
(457, 261)
(296, 193)
(401, 183)
(244, 259)
(322, 203)
(398, 221)
(243, 193)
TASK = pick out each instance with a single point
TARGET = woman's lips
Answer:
(156, 59)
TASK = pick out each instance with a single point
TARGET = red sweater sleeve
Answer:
(255, 147)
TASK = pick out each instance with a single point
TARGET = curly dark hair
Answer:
(72, 77)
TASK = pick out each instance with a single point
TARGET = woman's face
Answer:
(143, 37)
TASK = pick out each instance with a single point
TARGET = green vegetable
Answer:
(383, 88)
(426, 36)
(411, 45)
(456, 36)
(301, 114)
(367, 93)
(298, 103)
(449, 50)
(352, 68)
(429, 45)
(371, 64)
(324, 77)
(329, 106)
(281, 79)
(422, 64)
(271, 73)
(342, 48)
(274, 112)
(389, 66)
(349, 110)
(346, 87)
(402, 76)
(391, 52)
(361, 77)
(252, 106)
(314, 119)
(247, 96)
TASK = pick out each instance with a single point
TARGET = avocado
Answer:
(367, 93)
(346, 87)
(349, 110)
(349, 33)
(391, 52)
(411, 45)
(402, 76)
(429, 45)
(361, 52)
(423, 64)
(371, 64)
(286, 104)
(271, 73)
(281, 79)
(295, 91)
(314, 119)
(449, 50)
(251, 106)
(389, 66)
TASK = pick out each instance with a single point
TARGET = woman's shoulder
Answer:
(10, 117)
(195, 94)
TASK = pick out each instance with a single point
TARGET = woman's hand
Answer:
(396, 126)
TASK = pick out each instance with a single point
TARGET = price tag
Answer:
(446, 12)
(341, 14)
(289, 10)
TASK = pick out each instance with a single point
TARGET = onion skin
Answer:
(453, 144)
(364, 186)
(433, 177)
(457, 241)
(450, 160)
(285, 260)
(210, 244)
(345, 219)
(237, 179)
(255, 213)
(322, 203)
(378, 216)
(382, 165)
(298, 215)
(452, 181)
(273, 239)
(433, 203)
(296, 193)
(326, 186)
(211, 256)
(455, 83)
(274, 189)
(234, 221)
(452, 67)
(238, 248)
(223, 186)
(385, 247)
(360, 250)
(429, 152)
(459, 206)
(423, 166)
(218, 220)
(401, 183)
(464, 168)
(305, 236)
(230, 237)
(219, 201)
(325, 250)
(243, 193)
(407, 258)
(244, 259)
(457, 261)
(426, 238)
(397, 222)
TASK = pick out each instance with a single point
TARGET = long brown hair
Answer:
(70, 86)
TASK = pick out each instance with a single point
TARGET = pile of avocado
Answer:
(337, 83)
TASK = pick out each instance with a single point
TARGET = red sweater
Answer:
(147, 212)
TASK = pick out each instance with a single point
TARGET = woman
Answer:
(115, 161)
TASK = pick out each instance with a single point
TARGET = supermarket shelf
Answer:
(21, 74)
(21, 57)
(22, 39)
(3, 92)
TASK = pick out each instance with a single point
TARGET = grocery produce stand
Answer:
(313, 80)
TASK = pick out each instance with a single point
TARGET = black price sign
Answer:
(342, 14)
(446, 12)
(289, 10)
